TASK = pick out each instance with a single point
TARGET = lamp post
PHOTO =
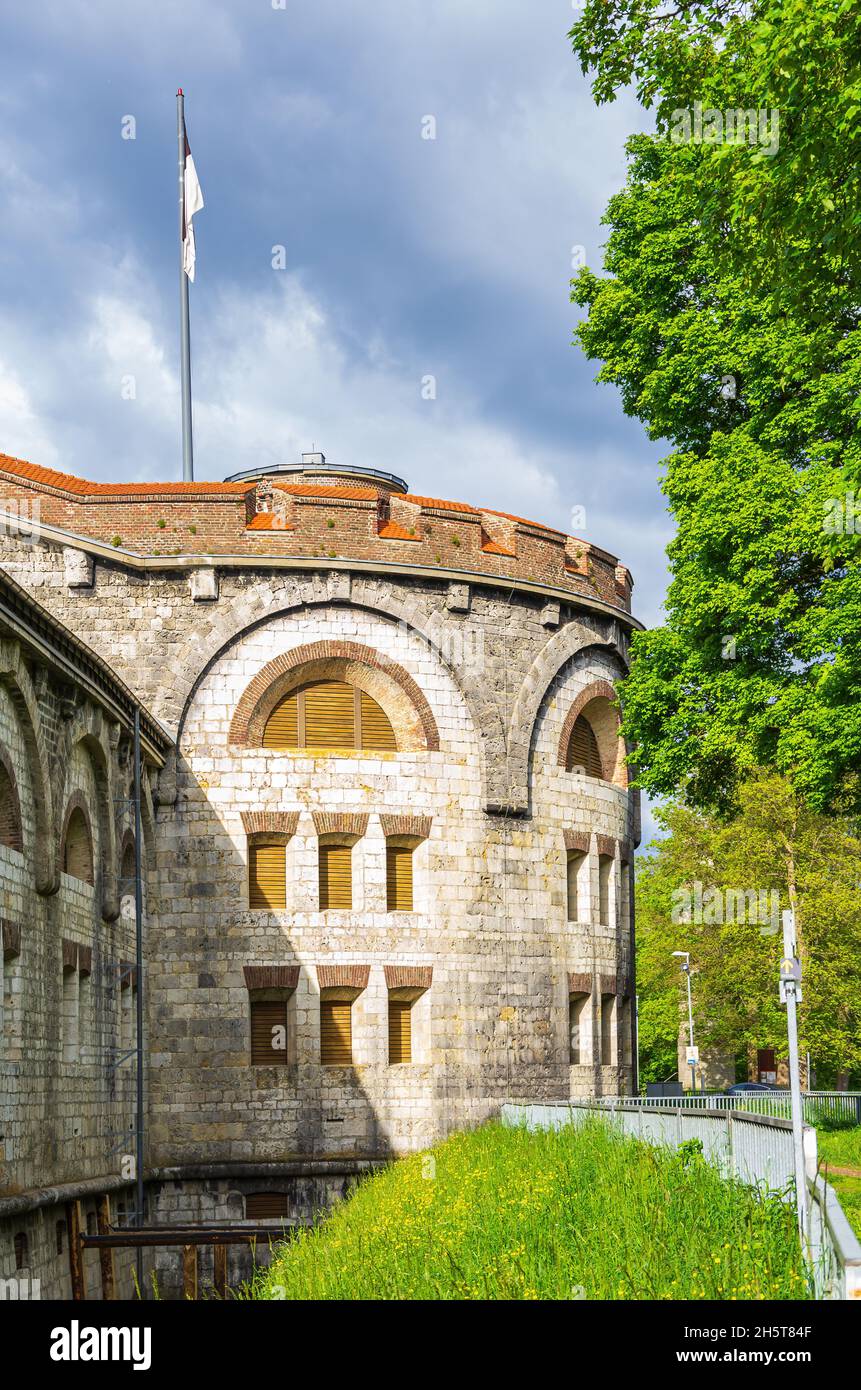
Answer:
(686, 971)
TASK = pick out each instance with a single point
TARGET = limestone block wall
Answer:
(497, 674)
(490, 918)
(66, 1109)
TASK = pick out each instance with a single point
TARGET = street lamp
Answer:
(686, 970)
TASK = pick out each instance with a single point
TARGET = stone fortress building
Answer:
(387, 840)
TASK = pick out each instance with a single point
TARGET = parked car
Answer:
(742, 1088)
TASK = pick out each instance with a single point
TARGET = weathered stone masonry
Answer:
(482, 656)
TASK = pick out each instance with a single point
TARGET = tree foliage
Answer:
(775, 844)
(729, 320)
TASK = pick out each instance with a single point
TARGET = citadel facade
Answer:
(388, 839)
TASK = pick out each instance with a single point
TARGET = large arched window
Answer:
(329, 714)
(589, 742)
(78, 847)
(583, 754)
(10, 810)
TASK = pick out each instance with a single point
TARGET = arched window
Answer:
(10, 811)
(583, 753)
(329, 714)
(77, 848)
(589, 740)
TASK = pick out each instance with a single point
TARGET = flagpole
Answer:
(184, 341)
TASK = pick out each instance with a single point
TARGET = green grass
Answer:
(841, 1148)
(577, 1213)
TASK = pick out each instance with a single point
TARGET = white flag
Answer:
(192, 202)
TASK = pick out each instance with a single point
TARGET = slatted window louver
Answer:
(583, 749)
(10, 820)
(282, 726)
(329, 714)
(377, 733)
(267, 876)
(268, 1033)
(77, 849)
(336, 877)
(399, 879)
(336, 1033)
(400, 1031)
(267, 1206)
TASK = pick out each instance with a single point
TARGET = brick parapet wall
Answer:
(204, 519)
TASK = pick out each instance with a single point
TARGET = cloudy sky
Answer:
(406, 257)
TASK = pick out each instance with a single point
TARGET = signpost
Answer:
(693, 1055)
(790, 995)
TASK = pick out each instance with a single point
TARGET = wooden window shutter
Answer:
(77, 850)
(399, 879)
(282, 726)
(336, 1033)
(267, 1206)
(267, 876)
(583, 749)
(377, 732)
(330, 716)
(336, 876)
(268, 1019)
(400, 1031)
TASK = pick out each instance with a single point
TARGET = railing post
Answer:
(730, 1143)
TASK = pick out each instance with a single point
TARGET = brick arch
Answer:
(574, 639)
(17, 680)
(610, 746)
(254, 608)
(411, 715)
(11, 826)
(76, 801)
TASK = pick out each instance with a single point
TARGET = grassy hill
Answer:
(504, 1214)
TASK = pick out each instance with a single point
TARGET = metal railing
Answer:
(754, 1149)
(837, 1107)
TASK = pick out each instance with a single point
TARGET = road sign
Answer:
(692, 1056)
(790, 974)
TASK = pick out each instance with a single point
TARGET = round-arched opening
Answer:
(334, 696)
(582, 754)
(77, 857)
(591, 745)
(10, 808)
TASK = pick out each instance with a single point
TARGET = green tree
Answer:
(729, 320)
(706, 889)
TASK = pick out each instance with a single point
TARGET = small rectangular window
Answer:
(400, 1031)
(267, 876)
(69, 1014)
(336, 1033)
(399, 879)
(625, 894)
(268, 1033)
(626, 1041)
(336, 877)
(608, 1013)
(577, 1019)
(577, 869)
(267, 1206)
(605, 880)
